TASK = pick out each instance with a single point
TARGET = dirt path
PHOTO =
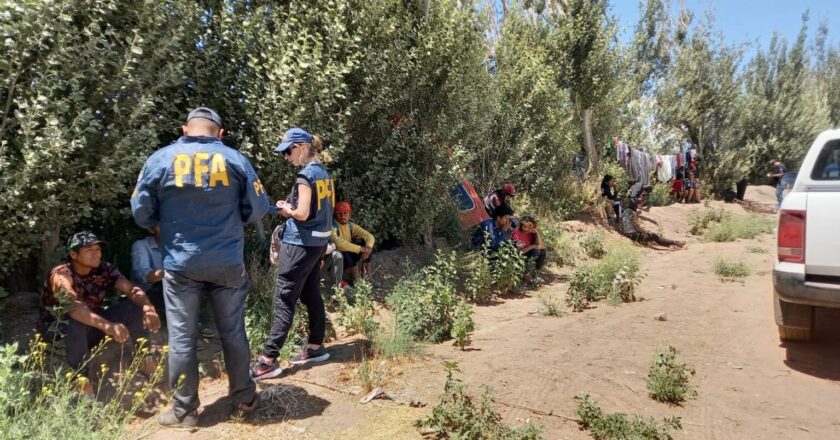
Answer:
(750, 386)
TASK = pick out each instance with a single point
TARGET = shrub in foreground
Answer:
(621, 426)
(668, 379)
(459, 416)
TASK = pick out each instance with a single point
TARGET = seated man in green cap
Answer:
(82, 281)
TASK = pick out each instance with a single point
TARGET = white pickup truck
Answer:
(806, 273)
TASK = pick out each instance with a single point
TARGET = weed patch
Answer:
(259, 310)
(561, 248)
(621, 426)
(699, 220)
(733, 227)
(551, 305)
(424, 302)
(615, 277)
(459, 416)
(478, 277)
(371, 373)
(508, 267)
(40, 401)
(593, 245)
(393, 342)
(356, 313)
(731, 270)
(756, 250)
(463, 325)
(668, 379)
(661, 195)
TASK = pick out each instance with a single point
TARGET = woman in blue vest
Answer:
(310, 214)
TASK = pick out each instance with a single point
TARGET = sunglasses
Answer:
(288, 152)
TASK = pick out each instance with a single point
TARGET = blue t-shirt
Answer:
(200, 192)
(316, 230)
(487, 229)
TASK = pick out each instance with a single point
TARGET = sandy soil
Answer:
(749, 384)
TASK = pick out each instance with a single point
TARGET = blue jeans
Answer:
(780, 193)
(226, 288)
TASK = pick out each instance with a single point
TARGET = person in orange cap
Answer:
(353, 246)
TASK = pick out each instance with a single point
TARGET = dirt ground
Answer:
(749, 384)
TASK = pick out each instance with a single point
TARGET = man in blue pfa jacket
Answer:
(201, 193)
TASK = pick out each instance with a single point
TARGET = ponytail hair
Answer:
(316, 150)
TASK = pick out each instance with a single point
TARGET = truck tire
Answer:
(795, 321)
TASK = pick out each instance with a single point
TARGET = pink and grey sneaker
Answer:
(309, 355)
(265, 368)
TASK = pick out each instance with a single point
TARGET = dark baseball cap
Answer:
(205, 113)
(82, 239)
(293, 136)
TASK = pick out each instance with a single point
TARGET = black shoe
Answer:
(241, 411)
(310, 355)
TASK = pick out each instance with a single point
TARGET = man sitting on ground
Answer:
(631, 229)
(499, 197)
(353, 245)
(496, 229)
(83, 281)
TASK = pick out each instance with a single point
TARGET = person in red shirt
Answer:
(678, 188)
(529, 241)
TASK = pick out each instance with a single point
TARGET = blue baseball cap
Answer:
(205, 113)
(293, 136)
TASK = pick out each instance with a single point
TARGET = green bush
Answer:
(508, 267)
(478, 277)
(614, 277)
(425, 302)
(458, 416)
(668, 379)
(733, 227)
(394, 342)
(560, 247)
(621, 426)
(661, 195)
(463, 325)
(356, 314)
(593, 244)
(756, 250)
(39, 401)
(550, 305)
(699, 220)
(726, 269)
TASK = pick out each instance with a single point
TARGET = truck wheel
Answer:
(795, 321)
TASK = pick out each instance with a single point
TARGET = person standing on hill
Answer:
(201, 192)
(310, 215)
(777, 173)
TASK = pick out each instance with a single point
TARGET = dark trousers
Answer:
(538, 256)
(298, 277)
(646, 237)
(80, 338)
(227, 289)
(351, 259)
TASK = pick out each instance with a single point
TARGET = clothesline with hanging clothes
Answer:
(639, 164)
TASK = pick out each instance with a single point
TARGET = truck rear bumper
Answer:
(791, 287)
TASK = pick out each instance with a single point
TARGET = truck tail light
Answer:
(791, 242)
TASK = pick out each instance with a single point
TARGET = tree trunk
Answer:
(589, 140)
(426, 5)
(48, 255)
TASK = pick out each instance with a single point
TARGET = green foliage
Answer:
(728, 270)
(699, 220)
(38, 400)
(425, 302)
(733, 227)
(356, 314)
(478, 283)
(560, 247)
(394, 342)
(615, 278)
(661, 195)
(508, 267)
(756, 250)
(463, 324)
(371, 373)
(458, 415)
(593, 245)
(619, 426)
(668, 379)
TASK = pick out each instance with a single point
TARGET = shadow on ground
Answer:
(818, 358)
(278, 403)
